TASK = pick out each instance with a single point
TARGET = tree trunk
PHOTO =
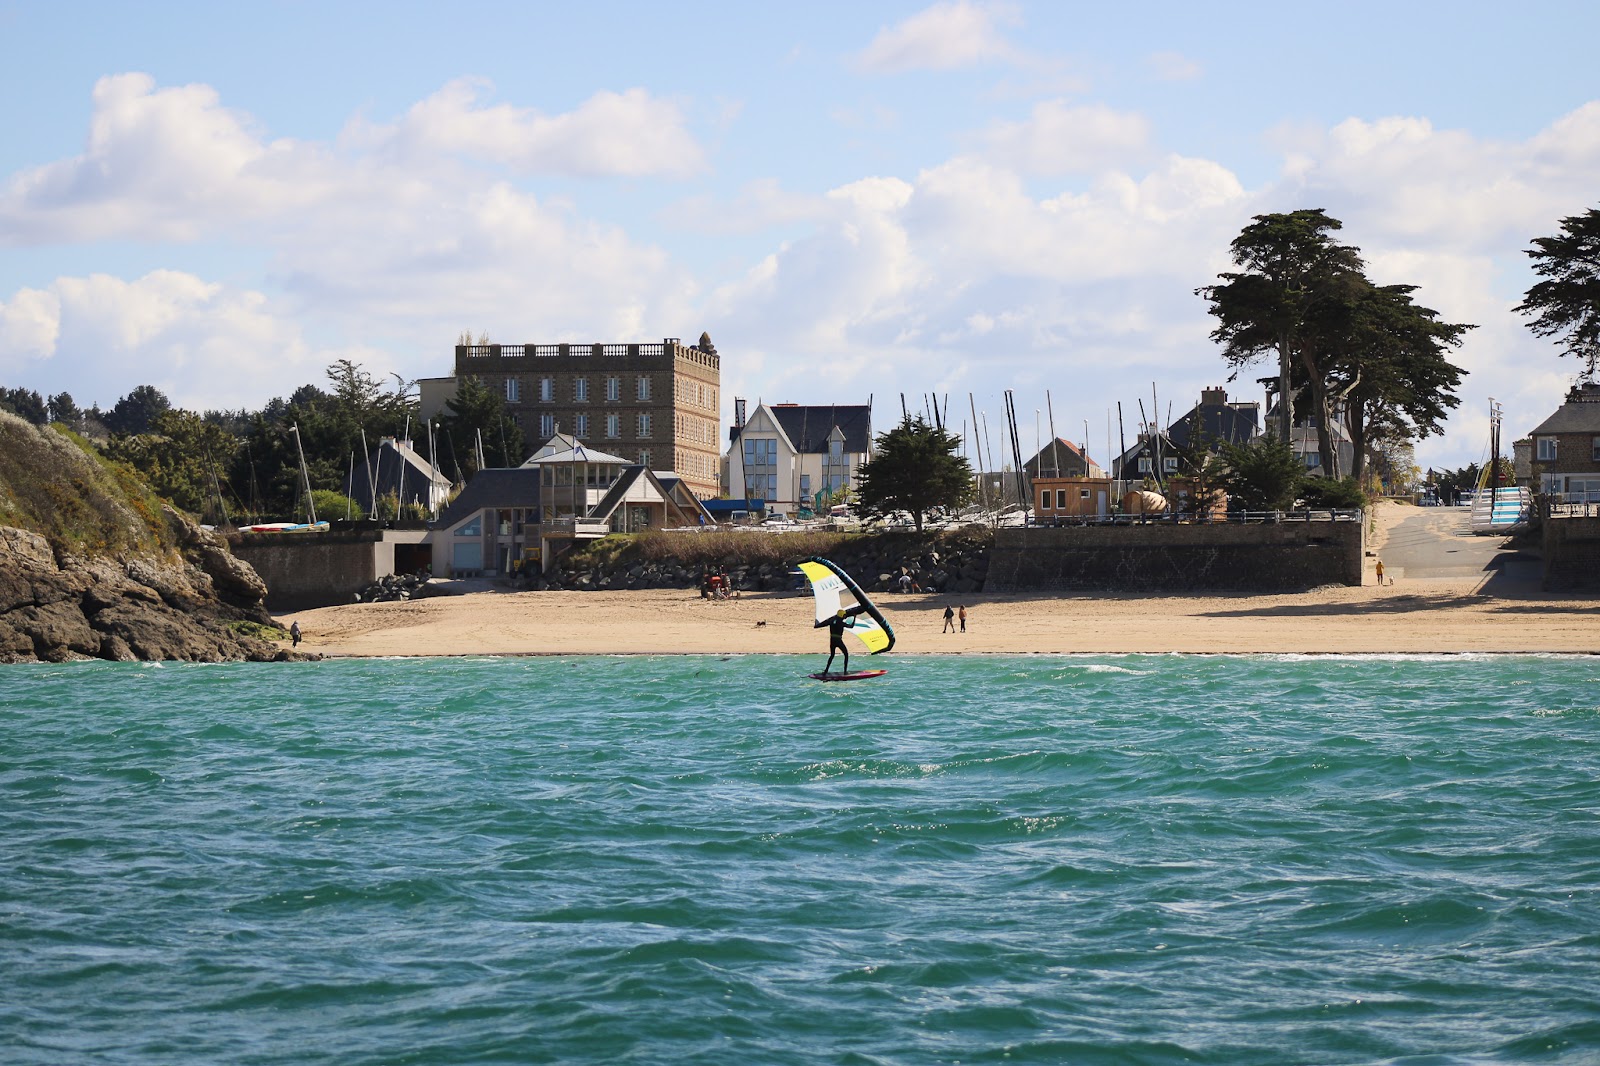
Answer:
(1285, 394)
(1358, 438)
(1319, 403)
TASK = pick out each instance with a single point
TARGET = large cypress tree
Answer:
(915, 469)
(1566, 304)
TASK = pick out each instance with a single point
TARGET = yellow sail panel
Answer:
(832, 590)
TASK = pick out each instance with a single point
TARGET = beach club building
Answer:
(509, 520)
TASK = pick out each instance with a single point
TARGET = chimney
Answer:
(1213, 397)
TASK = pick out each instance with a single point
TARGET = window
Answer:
(1061, 499)
(1170, 464)
(547, 389)
(473, 528)
(1594, 448)
(1547, 449)
(644, 458)
(613, 426)
(1313, 460)
(547, 426)
(613, 388)
(580, 426)
(1145, 466)
(805, 484)
(644, 387)
(580, 390)
(513, 390)
(1044, 499)
(644, 425)
(760, 452)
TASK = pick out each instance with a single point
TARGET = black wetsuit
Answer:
(836, 627)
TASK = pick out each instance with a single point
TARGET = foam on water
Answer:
(596, 859)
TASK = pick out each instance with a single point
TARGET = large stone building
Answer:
(654, 404)
(1566, 457)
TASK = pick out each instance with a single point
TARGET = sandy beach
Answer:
(1434, 615)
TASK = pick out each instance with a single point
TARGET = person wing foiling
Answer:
(840, 604)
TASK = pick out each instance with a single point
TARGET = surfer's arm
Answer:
(819, 625)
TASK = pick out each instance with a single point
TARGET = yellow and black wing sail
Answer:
(834, 590)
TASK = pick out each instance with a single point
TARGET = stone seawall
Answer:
(1571, 550)
(305, 570)
(1286, 556)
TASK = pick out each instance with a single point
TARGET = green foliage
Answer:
(476, 409)
(24, 403)
(65, 411)
(1340, 339)
(1566, 304)
(137, 411)
(246, 628)
(1342, 494)
(915, 469)
(333, 506)
(330, 427)
(1291, 264)
(1263, 475)
(180, 456)
(56, 484)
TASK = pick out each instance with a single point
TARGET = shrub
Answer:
(1345, 493)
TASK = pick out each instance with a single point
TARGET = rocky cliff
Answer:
(94, 567)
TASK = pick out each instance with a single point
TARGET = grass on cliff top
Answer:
(56, 484)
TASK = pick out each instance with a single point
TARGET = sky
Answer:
(856, 201)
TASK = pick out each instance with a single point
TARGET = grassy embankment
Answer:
(56, 484)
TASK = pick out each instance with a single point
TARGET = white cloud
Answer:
(946, 36)
(98, 336)
(173, 164)
(626, 134)
(1173, 66)
(1060, 138)
(29, 325)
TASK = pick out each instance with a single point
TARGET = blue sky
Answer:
(854, 200)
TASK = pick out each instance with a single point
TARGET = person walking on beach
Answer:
(836, 627)
(1380, 571)
(949, 620)
(294, 633)
(963, 617)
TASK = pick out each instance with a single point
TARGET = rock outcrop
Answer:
(187, 607)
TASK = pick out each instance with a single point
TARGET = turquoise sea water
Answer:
(658, 860)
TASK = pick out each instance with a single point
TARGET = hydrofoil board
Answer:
(859, 675)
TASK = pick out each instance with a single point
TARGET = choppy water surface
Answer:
(1118, 859)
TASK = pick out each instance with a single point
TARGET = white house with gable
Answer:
(797, 457)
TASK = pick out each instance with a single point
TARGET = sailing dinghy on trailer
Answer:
(832, 591)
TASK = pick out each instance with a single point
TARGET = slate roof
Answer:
(1069, 455)
(615, 494)
(400, 470)
(1233, 422)
(1579, 414)
(564, 449)
(516, 486)
(808, 427)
